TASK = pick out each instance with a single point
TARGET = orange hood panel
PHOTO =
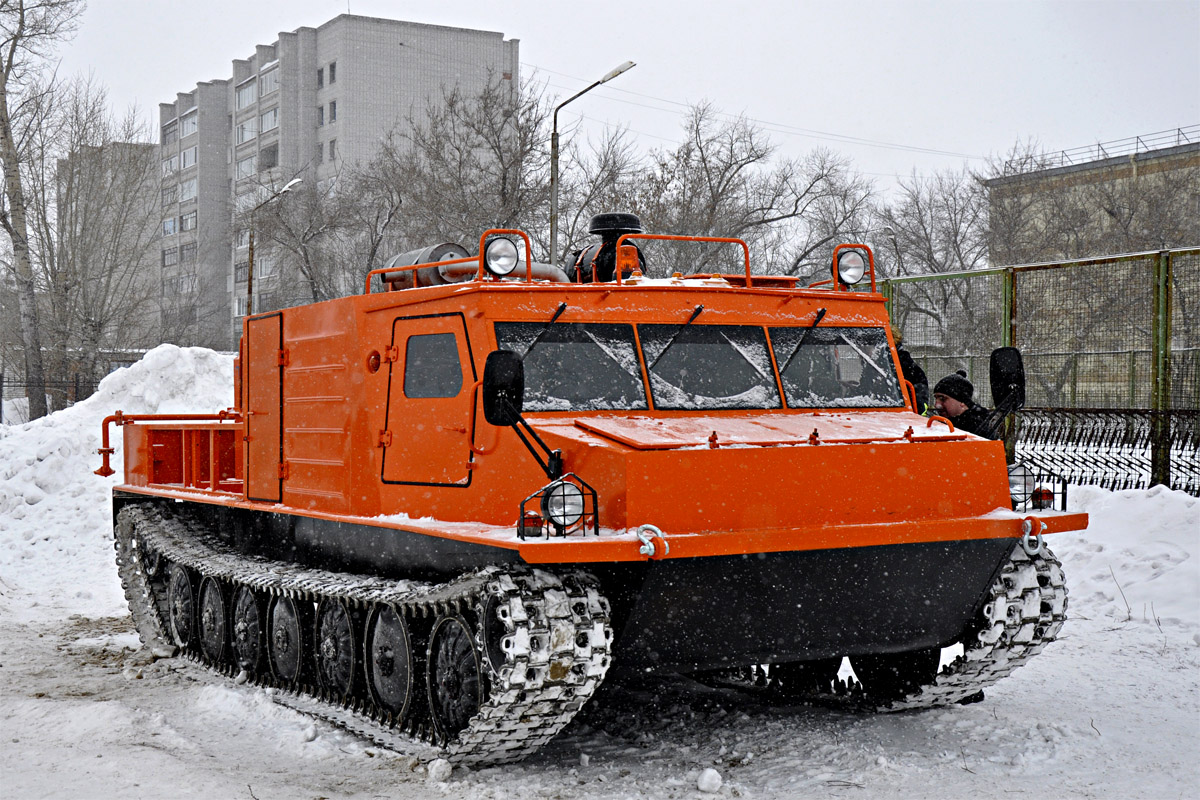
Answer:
(766, 430)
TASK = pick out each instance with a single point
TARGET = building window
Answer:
(188, 124)
(242, 238)
(332, 149)
(187, 158)
(247, 93)
(187, 252)
(170, 165)
(268, 82)
(170, 257)
(168, 226)
(170, 132)
(170, 195)
(320, 77)
(320, 152)
(246, 167)
(320, 116)
(187, 190)
(333, 110)
(240, 271)
(333, 72)
(268, 157)
(269, 120)
(247, 130)
(187, 222)
(241, 306)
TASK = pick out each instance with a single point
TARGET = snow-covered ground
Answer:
(1112, 709)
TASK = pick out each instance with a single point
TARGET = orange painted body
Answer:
(324, 429)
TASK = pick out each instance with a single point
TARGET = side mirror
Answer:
(1008, 379)
(503, 388)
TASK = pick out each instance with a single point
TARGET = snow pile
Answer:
(1138, 559)
(55, 515)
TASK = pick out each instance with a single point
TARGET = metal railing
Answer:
(1188, 134)
(1112, 357)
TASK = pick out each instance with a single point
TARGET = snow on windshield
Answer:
(837, 368)
(709, 366)
(580, 366)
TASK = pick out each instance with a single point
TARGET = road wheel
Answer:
(181, 606)
(213, 621)
(455, 676)
(389, 667)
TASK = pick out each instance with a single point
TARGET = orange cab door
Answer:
(263, 377)
(429, 402)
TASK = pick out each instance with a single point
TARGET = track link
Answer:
(555, 635)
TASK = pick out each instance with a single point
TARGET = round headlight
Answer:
(1020, 482)
(501, 256)
(851, 266)
(562, 503)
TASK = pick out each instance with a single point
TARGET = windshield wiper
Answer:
(675, 336)
(561, 308)
(803, 337)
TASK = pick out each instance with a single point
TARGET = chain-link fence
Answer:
(1112, 358)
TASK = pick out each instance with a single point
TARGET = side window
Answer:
(431, 366)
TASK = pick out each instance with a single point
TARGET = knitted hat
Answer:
(957, 386)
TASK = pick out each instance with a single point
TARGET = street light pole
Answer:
(554, 157)
(250, 256)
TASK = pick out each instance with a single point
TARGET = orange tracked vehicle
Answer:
(441, 511)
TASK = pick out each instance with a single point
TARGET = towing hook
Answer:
(1028, 537)
(647, 534)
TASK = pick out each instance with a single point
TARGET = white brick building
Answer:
(314, 99)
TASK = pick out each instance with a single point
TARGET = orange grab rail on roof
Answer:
(664, 237)
(120, 418)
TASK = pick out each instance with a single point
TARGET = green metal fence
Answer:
(1108, 343)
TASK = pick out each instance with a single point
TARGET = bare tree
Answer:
(722, 181)
(29, 30)
(938, 224)
(473, 162)
(93, 190)
(329, 232)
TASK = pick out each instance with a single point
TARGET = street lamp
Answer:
(891, 234)
(554, 157)
(250, 260)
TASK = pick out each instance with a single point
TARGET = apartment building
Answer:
(304, 106)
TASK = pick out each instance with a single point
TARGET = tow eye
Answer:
(1027, 541)
(647, 534)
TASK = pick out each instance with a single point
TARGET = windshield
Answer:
(709, 366)
(838, 367)
(579, 366)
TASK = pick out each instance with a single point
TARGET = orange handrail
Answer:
(121, 418)
(664, 237)
(870, 262)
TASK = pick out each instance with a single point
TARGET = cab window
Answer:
(431, 366)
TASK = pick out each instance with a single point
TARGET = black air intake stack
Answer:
(601, 258)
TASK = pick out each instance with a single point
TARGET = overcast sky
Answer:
(896, 85)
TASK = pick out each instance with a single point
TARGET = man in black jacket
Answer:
(952, 398)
